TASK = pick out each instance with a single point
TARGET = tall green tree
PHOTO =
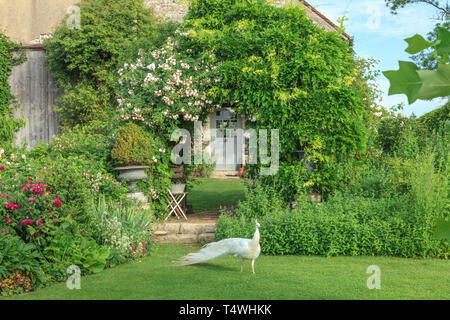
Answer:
(443, 9)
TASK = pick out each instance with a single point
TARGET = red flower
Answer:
(25, 186)
(35, 235)
(31, 200)
(12, 205)
(57, 203)
(1, 169)
(29, 179)
(4, 196)
(27, 222)
(9, 221)
(40, 222)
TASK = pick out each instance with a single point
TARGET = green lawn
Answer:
(209, 194)
(277, 277)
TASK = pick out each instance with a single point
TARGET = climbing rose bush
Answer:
(166, 86)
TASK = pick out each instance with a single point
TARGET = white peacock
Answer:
(239, 247)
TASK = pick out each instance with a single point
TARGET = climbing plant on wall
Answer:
(283, 72)
(8, 59)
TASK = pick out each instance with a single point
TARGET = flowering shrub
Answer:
(29, 209)
(165, 85)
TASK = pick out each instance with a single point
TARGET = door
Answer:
(227, 142)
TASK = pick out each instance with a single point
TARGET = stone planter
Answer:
(132, 174)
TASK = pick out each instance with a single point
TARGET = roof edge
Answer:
(331, 23)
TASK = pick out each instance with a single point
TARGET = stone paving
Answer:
(199, 228)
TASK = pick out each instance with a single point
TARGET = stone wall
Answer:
(27, 21)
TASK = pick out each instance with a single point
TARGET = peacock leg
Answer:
(253, 266)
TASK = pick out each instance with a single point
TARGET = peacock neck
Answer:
(255, 240)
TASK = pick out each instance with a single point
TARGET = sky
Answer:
(380, 35)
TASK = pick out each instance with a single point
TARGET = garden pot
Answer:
(132, 174)
(178, 188)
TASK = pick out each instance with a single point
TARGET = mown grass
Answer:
(210, 194)
(277, 277)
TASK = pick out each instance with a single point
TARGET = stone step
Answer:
(185, 232)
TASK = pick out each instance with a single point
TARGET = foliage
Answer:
(19, 268)
(132, 146)
(395, 215)
(283, 72)
(280, 58)
(84, 60)
(437, 119)
(68, 247)
(426, 59)
(289, 184)
(8, 59)
(423, 84)
(125, 229)
(79, 142)
(203, 170)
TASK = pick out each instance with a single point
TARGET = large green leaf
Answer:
(417, 44)
(434, 83)
(404, 81)
(443, 47)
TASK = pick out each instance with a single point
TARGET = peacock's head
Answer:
(257, 224)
